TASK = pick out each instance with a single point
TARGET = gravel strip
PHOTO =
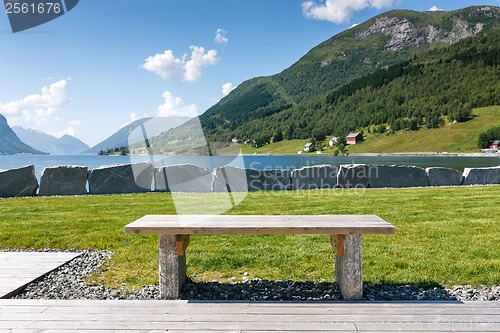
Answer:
(67, 282)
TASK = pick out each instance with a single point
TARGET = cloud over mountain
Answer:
(175, 106)
(340, 11)
(38, 108)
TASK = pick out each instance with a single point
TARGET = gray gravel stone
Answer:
(68, 282)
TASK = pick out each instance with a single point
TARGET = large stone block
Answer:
(64, 180)
(398, 176)
(121, 178)
(183, 178)
(354, 176)
(481, 176)
(314, 177)
(242, 180)
(444, 177)
(20, 182)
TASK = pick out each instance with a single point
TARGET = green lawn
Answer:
(444, 236)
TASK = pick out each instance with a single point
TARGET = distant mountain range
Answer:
(10, 143)
(65, 145)
(136, 132)
(19, 140)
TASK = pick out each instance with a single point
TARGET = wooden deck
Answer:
(20, 268)
(30, 316)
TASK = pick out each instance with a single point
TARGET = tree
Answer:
(485, 138)
(278, 136)
(290, 132)
(413, 125)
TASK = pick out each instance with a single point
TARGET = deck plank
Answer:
(17, 269)
(55, 316)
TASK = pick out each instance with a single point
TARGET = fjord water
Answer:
(251, 161)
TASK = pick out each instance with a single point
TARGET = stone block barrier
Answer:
(63, 180)
(142, 177)
(444, 177)
(241, 180)
(121, 178)
(398, 176)
(354, 176)
(19, 182)
(183, 178)
(314, 177)
(481, 176)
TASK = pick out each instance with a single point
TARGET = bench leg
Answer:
(348, 265)
(172, 267)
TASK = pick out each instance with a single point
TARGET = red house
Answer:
(494, 144)
(354, 138)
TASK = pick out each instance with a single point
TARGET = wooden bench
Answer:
(345, 235)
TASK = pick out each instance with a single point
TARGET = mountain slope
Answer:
(385, 40)
(132, 133)
(66, 145)
(9, 142)
(446, 82)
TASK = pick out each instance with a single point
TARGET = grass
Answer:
(444, 236)
(456, 138)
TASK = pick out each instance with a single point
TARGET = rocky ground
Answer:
(67, 282)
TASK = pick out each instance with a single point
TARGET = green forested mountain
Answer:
(402, 68)
(444, 82)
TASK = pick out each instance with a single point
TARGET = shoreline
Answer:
(407, 154)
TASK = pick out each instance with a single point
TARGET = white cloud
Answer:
(165, 65)
(227, 88)
(68, 131)
(168, 66)
(199, 60)
(174, 106)
(134, 117)
(221, 36)
(340, 11)
(435, 9)
(38, 108)
(354, 25)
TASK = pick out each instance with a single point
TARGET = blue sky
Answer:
(108, 62)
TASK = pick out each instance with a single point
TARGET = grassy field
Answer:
(444, 236)
(456, 138)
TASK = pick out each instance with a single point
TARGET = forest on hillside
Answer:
(443, 84)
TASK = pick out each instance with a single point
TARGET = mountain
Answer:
(387, 40)
(66, 145)
(436, 88)
(135, 131)
(10, 144)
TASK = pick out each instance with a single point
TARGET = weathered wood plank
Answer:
(259, 224)
(20, 268)
(250, 317)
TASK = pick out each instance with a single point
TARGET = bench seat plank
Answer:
(259, 224)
